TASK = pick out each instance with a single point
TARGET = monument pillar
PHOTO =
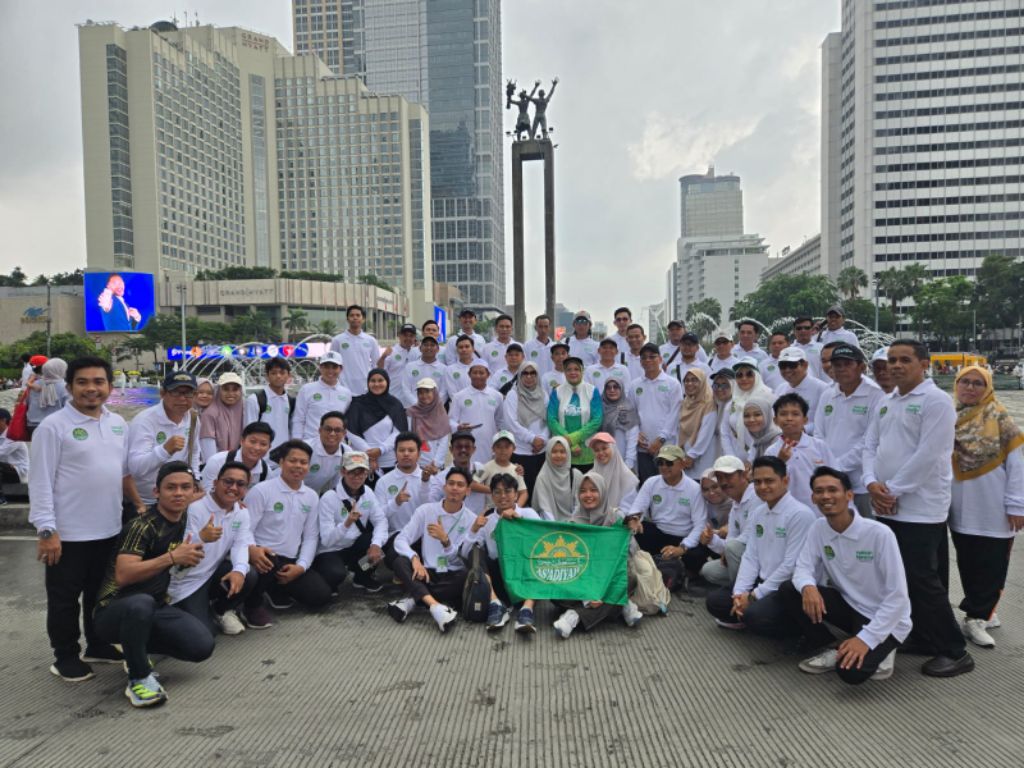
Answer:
(525, 151)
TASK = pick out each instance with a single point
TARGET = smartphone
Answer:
(364, 563)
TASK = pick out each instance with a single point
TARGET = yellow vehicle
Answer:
(942, 360)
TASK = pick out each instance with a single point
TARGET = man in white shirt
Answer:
(796, 373)
(581, 343)
(686, 357)
(746, 332)
(272, 404)
(256, 440)
(167, 431)
(329, 449)
(13, 457)
(285, 529)
(866, 592)
(636, 338)
(217, 585)
(78, 470)
(622, 318)
(395, 360)
(723, 357)
(672, 513)
(844, 412)
(802, 453)
(555, 377)
(607, 366)
(494, 351)
(467, 322)
(501, 378)
(769, 366)
(359, 351)
(834, 330)
(318, 397)
(775, 538)
(538, 349)
(670, 351)
(803, 338)
(476, 409)
(880, 370)
(403, 489)
(426, 365)
(26, 370)
(457, 373)
(463, 447)
(908, 472)
(657, 397)
(731, 475)
(434, 577)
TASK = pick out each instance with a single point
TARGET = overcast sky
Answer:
(650, 90)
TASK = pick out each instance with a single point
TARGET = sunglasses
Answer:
(720, 385)
(332, 430)
(788, 365)
(233, 483)
(744, 374)
(663, 463)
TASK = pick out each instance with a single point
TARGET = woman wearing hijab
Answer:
(378, 417)
(621, 421)
(525, 413)
(698, 418)
(987, 507)
(220, 429)
(204, 395)
(748, 385)
(593, 509)
(722, 382)
(620, 482)
(429, 420)
(757, 429)
(575, 411)
(554, 493)
(46, 392)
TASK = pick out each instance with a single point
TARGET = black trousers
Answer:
(590, 616)
(653, 539)
(497, 580)
(645, 466)
(78, 574)
(924, 548)
(143, 626)
(445, 587)
(389, 551)
(839, 614)
(765, 616)
(8, 474)
(310, 589)
(211, 596)
(982, 562)
(334, 566)
(531, 464)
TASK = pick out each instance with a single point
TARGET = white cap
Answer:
(356, 460)
(504, 434)
(332, 357)
(882, 353)
(229, 378)
(727, 465)
(792, 355)
(426, 383)
(746, 360)
(721, 333)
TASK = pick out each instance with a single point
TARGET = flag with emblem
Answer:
(544, 560)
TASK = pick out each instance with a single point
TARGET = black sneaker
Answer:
(366, 580)
(102, 654)
(3, 500)
(71, 669)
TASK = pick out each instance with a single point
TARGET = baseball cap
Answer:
(503, 434)
(835, 309)
(881, 354)
(600, 437)
(650, 348)
(407, 328)
(478, 364)
(428, 340)
(720, 334)
(229, 378)
(792, 355)
(726, 372)
(559, 344)
(747, 362)
(332, 357)
(177, 379)
(463, 434)
(847, 352)
(581, 314)
(671, 452)
(691, 337)
(727, 465)
(608, 341)
(515, 346)
(356, 460)
(675, 324)
(426, 383)
(467, 313)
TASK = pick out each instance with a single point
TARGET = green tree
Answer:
(942, 307)
(66, 346)
(14, 280)
(237, 273)
(297, 320)
(703, 317)
(374, 280)
(328, 327)
(863, 312)
(252, 325)
(850, 280)
(300, 274)
(786, 296)
(999, 292)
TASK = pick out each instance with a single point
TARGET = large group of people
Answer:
(804, 499)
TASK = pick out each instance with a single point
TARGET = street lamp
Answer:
(876, 304)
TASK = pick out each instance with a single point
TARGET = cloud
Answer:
(672, 145)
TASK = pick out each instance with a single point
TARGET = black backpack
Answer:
(261, 401)
(476, 594)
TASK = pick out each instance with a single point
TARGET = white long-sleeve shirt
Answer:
(396, 364)
(842, 422)
(740, 515)
(360, 353)
(474, 501)
(435, 556)
(332, 514)
(451, 354)
(717, 363)
(657, 403)
(75, 476)
(980, 505)
(485, 536)
(701, 447)
(456, 378)
(677, 510)
(324, 467)
(493, 353)
(811, 390)
(391, 484)
(313, 401)
(839, 334)
(15, 453)
(908, 448)
(680, 368)
(809, 454)
(813, 351)
(524, 433)
(668, 348)
(258, 474)
(277, 415)
(147, 434)
(284, 519)
(599, 375)
(770, 374)
(477, 406)
(538, 353)
(420, 369)
(585, 349)
(625, 441)
(864, 564)
(236, 536)
(774, 541)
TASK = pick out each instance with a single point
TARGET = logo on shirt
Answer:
(160, 437)
(639, 390)
(759, 530)
(865, 555)
(415, 372)
(79, 434)
(398, 357)
(916, 408)
(314, 468)
(559, 558)
(492, 402)
(118, 430)
(317, 396)
(884, 410)
(656, 499)
(780, 532)
(455, 374)
(269, 409)
(494, 353)
(596, 374)
(305, 508)
(236, 525)
(828, 410)
(393, 490)
(278, 506)
(533, 353)
(771, 367)
(684, 501)
(662, 388)
(344, 345)
(859, 410)
(467, 402)
(830, 554)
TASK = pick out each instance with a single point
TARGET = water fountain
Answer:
(249, 367)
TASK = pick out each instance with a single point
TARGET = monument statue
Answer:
(540, 101)
(540, 108)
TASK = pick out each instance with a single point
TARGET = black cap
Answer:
(650, 347)
(608, 341)
(562, 344)
(691, 336)
(430, 339)
(407, 328)
(176, 379)
(463, 434)
(847, 352)
(515, 346)
(727, 372)
(676, 324)
(574, 359)
(467, 313)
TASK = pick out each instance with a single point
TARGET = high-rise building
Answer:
(207, 148)
(710, 205)
(805, 259)
(445, 55)
(922, 135)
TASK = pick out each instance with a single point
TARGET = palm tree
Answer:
(850, 280)
(893, 283)
(327, 327)
(297, 320)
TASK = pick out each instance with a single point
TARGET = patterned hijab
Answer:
(985, 433)
(694, 409)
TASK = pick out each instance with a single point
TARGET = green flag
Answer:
(563, 561)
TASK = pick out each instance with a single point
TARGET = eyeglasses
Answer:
(721, 385)
(186, 393)
(788, 365)
(971, 384)
(226, 481)
(648, 358)
(663, 463)
(332, 430)
(744, 374)
(528, 373)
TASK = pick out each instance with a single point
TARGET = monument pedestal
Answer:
(525, 151)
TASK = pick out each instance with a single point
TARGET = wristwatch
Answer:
(46, 533)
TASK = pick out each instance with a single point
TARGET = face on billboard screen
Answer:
(118, 302)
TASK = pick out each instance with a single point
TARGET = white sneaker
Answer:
(975, 630)
(400, 609)
(443, 615)
(884, 671)
(631, 614)
(566, 623)
(820, 664)
(994, 622)
(229, 623)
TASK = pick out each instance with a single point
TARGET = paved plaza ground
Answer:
(350, 687)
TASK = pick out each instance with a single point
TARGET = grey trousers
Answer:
(724, 574)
